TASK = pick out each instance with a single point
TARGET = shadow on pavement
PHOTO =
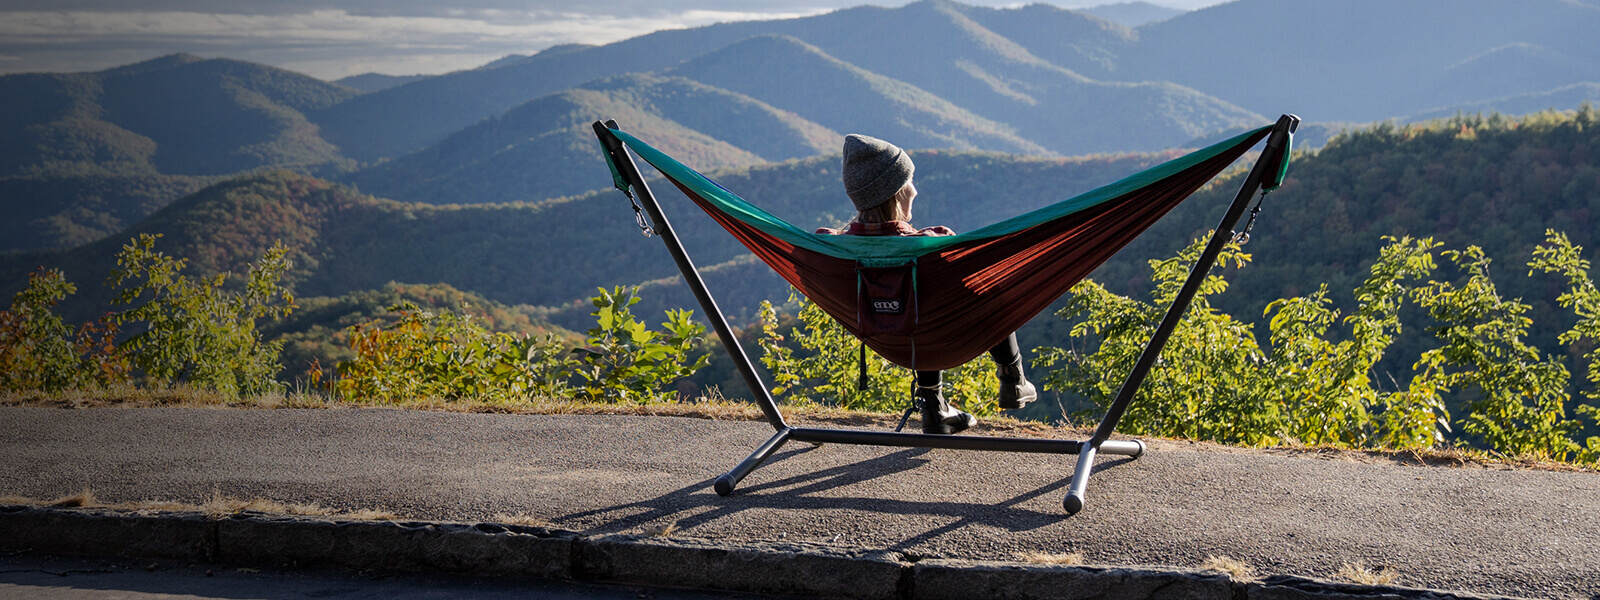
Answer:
(800, 492)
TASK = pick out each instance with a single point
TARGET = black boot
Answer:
(938, 416)
(1015, 389)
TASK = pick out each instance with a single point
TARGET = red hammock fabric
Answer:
(970, 296)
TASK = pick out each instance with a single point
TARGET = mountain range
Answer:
(84, 155)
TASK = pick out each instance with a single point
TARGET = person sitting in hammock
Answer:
(877, 177)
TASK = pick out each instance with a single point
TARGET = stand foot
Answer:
(725, 484)
(1072, 503)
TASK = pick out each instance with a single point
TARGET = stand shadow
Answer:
(799, 492)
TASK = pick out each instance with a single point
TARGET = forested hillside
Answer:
(181, 115)
(372, 82)
(1494, 181)
(83, 155)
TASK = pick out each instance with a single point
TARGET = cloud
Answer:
(324, 43)
(336, 38)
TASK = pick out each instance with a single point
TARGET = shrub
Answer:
(625, 361)
(195, 331)
(40, 352)
(1213, 381)
(449, 356)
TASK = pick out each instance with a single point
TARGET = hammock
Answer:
(933, 303)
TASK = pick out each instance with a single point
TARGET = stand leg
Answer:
(1080, 479)
(691, 276)
(726, 483)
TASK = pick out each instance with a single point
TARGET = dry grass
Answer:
(309, 509)
(116, 397)
(712, 406)
(1359, 573)
(370, 514)
(522, 519)
(1451, 457)
(1235, 569)
(660, 529)
(81, 499)
(173, 397)
(147, 507)
(217, 505)
(1052, 558)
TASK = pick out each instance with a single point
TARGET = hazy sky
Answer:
(334, 38)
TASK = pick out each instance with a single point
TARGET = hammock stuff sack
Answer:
(932, 303)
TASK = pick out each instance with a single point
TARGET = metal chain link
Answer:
(638, 215)
(1243, 237)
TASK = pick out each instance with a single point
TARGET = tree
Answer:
(1327, 387)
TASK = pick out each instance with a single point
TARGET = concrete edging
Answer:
(488, 548)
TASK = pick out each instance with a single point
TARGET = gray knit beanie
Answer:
(873, 170)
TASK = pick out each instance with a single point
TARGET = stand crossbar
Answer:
(1271, 157)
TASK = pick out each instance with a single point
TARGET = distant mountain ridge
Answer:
(804, 79)
(540, 149)
(1569, 95)
(1359, 60)
(937, 46)
(372, 82)
(1132, 14)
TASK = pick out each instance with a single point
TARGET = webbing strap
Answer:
(861, 382)
(621, 183)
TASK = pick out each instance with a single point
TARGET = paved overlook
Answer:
(1514, 532)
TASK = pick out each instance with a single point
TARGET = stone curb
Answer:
(772, 568)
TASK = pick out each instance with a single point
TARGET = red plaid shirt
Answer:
(888, 228)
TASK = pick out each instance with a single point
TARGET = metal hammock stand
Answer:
(1267, 170)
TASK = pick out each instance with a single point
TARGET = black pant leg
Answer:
(1007, 352)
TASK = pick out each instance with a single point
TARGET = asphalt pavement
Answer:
(1502, 531)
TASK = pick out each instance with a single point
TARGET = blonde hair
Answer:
(893, 210)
